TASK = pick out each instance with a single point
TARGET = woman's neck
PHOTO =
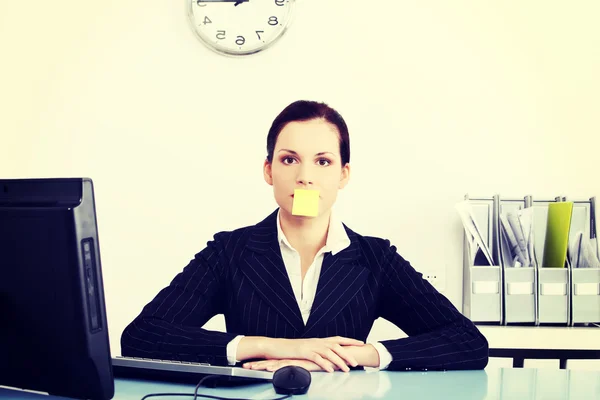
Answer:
(305, 234)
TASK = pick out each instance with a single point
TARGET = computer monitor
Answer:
(53, 331)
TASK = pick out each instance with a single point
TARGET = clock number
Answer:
(207, 21)
(273, 21)
(220, 35)
(280, 2)
(240, 40)
(258, 34)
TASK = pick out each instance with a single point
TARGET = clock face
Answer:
(239, 27)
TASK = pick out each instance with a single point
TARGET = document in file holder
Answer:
(583, 254)
(477, 245)
(517, 233)
(557, 234)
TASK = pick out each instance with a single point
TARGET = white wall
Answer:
(442, 98)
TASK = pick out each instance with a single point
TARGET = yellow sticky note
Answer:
(306, 203)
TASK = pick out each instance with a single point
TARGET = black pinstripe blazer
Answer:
(241, 274)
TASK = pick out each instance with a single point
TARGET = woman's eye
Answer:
(323, 162)
(287, 160)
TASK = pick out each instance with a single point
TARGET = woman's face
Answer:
(307, 156)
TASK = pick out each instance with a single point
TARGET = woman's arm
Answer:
(328, 353)
(440, 337)
(366, 356)
(170, 326)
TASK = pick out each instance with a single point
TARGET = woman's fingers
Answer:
(331, 367)
(259, 365)
(321, 362)
(344, 341)
(248, 365)
(343, 353)
(274, 365)
(312, 366)
(336, 360)
(268, 365)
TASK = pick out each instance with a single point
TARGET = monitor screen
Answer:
(53, 335)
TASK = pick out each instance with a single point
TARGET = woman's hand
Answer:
(327, 353)
(274, 365)
(366, 355)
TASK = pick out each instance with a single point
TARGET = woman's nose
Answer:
(303, 177)
(304, 182)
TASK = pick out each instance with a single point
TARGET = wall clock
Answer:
(240, 27)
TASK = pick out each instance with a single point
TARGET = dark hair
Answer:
(304, 110)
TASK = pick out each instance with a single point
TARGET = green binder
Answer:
(557, 234)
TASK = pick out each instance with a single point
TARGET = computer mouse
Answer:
(291, 379)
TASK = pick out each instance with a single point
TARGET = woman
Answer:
(304, 290)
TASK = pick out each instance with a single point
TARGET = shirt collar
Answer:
(337, 238)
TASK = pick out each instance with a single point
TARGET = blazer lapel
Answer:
(263, 265)
(341, 278)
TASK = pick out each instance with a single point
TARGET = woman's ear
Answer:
(345, 176)
(267, 172)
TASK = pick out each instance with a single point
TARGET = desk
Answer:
(495, 384)
(541, 337)
(542, 342)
